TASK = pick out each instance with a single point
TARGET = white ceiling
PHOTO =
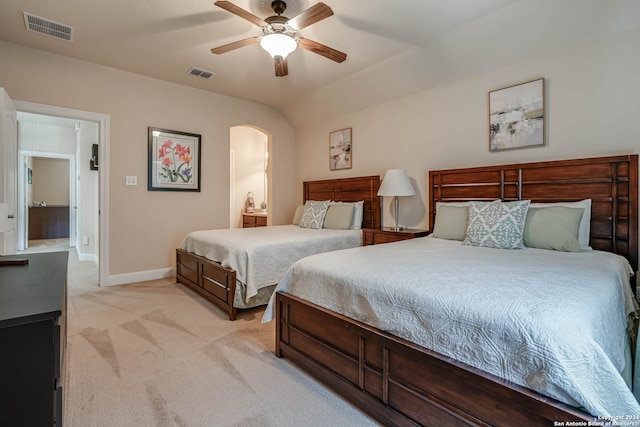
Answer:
(394, 48)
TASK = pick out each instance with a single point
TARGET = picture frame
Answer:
(174, 160)
(517, 117)
(340, 149)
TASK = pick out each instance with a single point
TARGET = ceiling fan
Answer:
(280, 34)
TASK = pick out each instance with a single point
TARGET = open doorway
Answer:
(58, 193)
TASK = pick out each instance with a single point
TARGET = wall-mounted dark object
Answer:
(93, 163)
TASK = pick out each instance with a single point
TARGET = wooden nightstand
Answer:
(254, 220)
(373, 236)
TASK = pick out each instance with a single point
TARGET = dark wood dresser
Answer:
(48, 222)
(33, 334)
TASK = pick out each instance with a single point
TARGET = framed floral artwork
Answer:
(174, 160)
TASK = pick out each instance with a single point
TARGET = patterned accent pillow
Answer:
(314, 213)
(496, 225)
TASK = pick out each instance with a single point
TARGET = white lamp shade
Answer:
(396, 183)
(278, 45)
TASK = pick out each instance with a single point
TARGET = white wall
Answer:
(46, 137)
(593, 100)
(87, 189)
(248, 145)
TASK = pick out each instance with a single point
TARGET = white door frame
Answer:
(103, 171)
(23, 203)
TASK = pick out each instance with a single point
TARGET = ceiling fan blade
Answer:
(236, 10)
(235, 45)
(282, 68)
(315, 13)
(320, 49)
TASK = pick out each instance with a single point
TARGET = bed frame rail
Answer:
(400, 383)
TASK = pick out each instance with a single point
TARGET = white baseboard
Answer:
(141, 276)
(88, 257)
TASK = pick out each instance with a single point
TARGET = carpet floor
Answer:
(156, 354)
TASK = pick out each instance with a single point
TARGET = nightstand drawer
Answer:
(252, 220)
(371, 236)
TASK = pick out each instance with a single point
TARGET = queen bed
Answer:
(239, 268)
(432, 331)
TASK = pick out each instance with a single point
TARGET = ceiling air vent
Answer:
(48, 27)
(199, 72)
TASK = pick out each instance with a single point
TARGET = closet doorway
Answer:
(250, 176)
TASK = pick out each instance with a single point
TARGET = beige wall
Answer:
(147, 226)
(50, 179)
(593, 101)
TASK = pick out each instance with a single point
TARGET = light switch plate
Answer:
(131, 180)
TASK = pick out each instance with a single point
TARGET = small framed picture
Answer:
(174, 160)
(517, 116)
(340, 149)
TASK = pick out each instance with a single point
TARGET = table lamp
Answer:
(396, 183)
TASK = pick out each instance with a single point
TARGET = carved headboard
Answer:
(349, 190)
(610, 182)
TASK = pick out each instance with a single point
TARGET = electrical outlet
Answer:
(85, 240)
(131, 180)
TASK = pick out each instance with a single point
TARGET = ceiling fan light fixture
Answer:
(278, 45)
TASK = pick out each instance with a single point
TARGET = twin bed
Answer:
(430, 331)
(239, 268)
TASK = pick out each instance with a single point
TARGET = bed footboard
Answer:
(211, 280)
(400, 383)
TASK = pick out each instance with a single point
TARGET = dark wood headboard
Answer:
(610, 182)
(363, 188)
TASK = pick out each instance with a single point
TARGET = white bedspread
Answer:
(261, 255)
(551, 321)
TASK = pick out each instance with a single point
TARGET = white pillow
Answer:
(585, 222)
(358, 212)
(454, 204)
(314, 213)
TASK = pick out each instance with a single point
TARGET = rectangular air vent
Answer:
(199, 72)
(48, 27)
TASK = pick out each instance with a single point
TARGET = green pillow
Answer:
(297, 216)
(451, 222)
(339, 217)
(554, 228)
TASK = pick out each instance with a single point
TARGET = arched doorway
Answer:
(249, 172)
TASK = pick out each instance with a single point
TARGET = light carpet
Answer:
(156, 354)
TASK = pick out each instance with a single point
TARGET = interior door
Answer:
(8, 175)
